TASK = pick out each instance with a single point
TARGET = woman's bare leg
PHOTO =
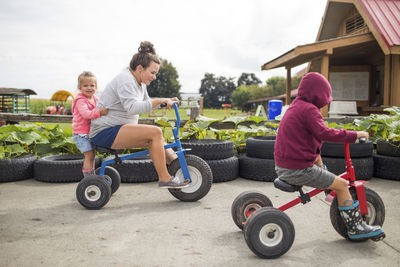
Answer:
(170, 155)
(342, 191)
(138, 135)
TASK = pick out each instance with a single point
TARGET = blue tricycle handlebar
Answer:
(178, 118)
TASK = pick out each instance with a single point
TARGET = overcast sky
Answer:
(46, 44)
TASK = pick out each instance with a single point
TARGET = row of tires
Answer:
(257, 164)
(219, 154)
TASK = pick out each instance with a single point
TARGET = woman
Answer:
(125, 97)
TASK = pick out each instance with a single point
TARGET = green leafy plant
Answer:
(35, 138)
(202, 129)
(347, 126)
(198, 129)
(382, 126)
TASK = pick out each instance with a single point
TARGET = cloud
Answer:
(47, 43)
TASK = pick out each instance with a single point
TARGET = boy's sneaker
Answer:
(174, 182)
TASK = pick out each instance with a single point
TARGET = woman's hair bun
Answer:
(147, 47)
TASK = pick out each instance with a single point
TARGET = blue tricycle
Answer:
(94, 192)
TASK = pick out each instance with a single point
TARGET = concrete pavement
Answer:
(42, 224)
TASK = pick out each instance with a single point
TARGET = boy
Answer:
(297, 151)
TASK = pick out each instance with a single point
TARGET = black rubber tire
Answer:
(201, 176)
(93, 192)
(388, 148)
(247, 123)
(262, 147)
(113, 174)
(224, 170)
(136, 170)
(16, 169)
(376, 209)
(221, 125)
(269, 233)
(386, 167)
(257, 169)
(246, 204)
(60, 168)
(209, 149)
(363, 167)
(357, 150)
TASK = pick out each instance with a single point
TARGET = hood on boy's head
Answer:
(315, 88)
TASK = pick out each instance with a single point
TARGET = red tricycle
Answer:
(270, 233)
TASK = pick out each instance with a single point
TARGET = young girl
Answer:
(298, 146)
(83, 110)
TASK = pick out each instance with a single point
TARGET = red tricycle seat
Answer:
(285, 186)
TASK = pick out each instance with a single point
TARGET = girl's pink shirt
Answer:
(83, 112)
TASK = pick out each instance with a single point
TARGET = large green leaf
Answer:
(235, 120)
(164, 122)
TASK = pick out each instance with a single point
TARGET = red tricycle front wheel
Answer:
(375, 216)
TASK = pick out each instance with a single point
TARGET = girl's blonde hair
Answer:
(86, 74)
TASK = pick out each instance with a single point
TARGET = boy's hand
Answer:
(318, 162)
(103, 111)
(362, 134)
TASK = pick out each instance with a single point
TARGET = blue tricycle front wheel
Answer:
(200, 175)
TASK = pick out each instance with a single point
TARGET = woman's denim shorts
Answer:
(82, 142)
(106, 137)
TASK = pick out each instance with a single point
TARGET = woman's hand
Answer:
(170, 101)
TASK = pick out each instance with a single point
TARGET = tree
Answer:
(248, 79)
(241, 96)
(216, 90)
(166, 84)
(276, 86)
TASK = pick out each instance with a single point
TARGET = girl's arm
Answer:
(84, 110)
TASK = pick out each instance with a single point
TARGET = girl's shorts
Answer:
(313, 176)
(106, 137)
(82, 142)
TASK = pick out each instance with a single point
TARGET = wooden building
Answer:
(357, 49)
(14, 100)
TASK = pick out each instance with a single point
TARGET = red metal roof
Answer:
(385, 15)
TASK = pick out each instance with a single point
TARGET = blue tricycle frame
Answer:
(94, 192)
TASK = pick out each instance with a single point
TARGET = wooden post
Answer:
(288, 86)
(325, 72)
(395, 81)
(201, 105)
(194, 113)
(386, 82)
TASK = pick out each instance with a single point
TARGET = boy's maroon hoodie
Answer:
(302, 129)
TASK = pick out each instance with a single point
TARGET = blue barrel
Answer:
(274, 108)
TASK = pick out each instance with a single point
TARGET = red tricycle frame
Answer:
(349, 175)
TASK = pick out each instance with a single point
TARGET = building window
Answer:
(354, 23)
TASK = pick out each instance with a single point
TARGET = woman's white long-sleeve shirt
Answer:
(125, 100)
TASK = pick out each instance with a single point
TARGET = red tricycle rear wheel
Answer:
(247, 203)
